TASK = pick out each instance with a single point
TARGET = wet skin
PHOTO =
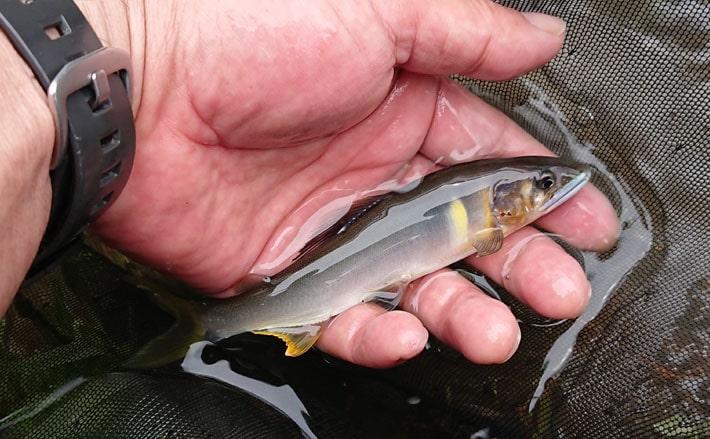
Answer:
(240, 146)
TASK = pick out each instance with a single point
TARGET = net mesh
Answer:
(630, 94)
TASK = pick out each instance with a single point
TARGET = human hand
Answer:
(253, 116)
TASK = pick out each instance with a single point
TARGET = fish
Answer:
(372, 253)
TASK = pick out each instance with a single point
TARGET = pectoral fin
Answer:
(298, 339)
(488, 241)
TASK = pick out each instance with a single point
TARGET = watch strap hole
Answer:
(110, 175)
(57, 29)
(111, 141)
(101, 204)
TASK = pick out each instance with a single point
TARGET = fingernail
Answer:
(515, 347)
(547, 23)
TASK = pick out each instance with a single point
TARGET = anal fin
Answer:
(298, 339)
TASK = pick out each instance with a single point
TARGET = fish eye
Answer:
(546, 181)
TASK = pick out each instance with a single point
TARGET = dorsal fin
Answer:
(356, 211)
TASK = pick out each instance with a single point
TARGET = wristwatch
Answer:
(88, 91)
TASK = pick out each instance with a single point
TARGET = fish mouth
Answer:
(569, 188)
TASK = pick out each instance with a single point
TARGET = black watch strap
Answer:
(88, 90)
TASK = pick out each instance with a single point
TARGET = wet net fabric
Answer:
(629, 94)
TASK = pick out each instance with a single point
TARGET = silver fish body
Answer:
(449, 215)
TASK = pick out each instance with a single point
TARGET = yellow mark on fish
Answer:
(459, 217)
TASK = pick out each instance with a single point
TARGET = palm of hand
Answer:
(214, 178)
(234, 157)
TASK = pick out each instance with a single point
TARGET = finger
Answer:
(478, 38)
(369, 336)
(465, 128)
(458, 313)
(537, 271)
(587, 221)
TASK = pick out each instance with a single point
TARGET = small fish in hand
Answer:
(374, 251)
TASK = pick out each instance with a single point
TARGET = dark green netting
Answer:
(629, 94)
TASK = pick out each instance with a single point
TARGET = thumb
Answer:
(477, 38)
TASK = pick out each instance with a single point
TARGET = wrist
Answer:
(25, 151)
(26, 148)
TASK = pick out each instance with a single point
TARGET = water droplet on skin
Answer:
(465, 155)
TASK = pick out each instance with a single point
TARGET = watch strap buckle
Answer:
(92, 70)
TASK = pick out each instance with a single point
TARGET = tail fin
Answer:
(187, 328)
(174, 343)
